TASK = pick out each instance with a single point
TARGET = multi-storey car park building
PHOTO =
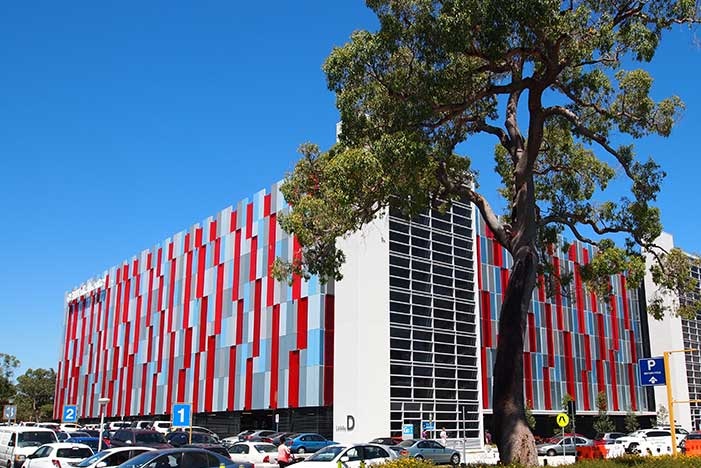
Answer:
(407, 336)
(675, 333)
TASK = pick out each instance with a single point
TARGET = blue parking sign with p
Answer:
(70, 413)
(182, 415)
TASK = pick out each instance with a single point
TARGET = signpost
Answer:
(9, 412)
(652, 371)
(428, 426)
(562, 420)
(69, 414)
(407, 431)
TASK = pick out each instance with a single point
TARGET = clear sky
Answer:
(122, 123)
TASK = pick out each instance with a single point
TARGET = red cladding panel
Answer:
(231, 393)
(274, 356)
(129, 386)
(154, 387)
(485, 306)
(614, 323)
(296, 279)
(182, 373)
(585, 391)
(232, 224)
(329, 329)
(266, 205)
(601, 377)
(171, 294)
(213, 231)
(256, 318)
(249, 220)
(302, 323)
(144, 386)
(546, 387)
(569, 364)
(188, 289)
(187, 352)
(626, 311)
(248, 396)
(219, 299)
(614, 379)
(237, 266)
(293, 400)
(272, 228)
(170, 377)
(532, 332)
(631, 385)
(485, 388)
(196, 384)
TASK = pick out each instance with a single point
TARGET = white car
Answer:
(57, 455)
(253, 452)
(161, 426)
(350, 456)
(112, 457)
(648, 441)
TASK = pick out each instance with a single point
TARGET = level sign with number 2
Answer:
(562, 419)
(182, 415)
(70, 413)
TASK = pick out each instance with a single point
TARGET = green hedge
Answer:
(622, 462)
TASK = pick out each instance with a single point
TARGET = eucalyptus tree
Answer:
(545, 79)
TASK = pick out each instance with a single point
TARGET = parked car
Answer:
(348, 456)
(112, 457)
(429, 450)
(116, 425)
(161, 426)
(141, 424)
(96, 433)
(92, 442)
(276, 438)
(607, 438)
(389, 441)
(644, 440)
(307, 442)
(57, 455)
(563, 446)
(17, 442)
(677, 429)
(180, 438)
(180, 457)
(140, 437)
(198, 429)
(216, 448)
(253, 452)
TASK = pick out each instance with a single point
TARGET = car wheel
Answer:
(455, 459)
(301, 450)
(419, 457)
(633, 448)
(552, 453)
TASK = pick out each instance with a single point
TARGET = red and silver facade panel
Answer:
(199, 319)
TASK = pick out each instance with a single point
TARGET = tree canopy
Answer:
(546, 80)
(35, 392)
(8, 365)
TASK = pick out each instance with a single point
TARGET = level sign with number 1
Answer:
(70, 413)
(562, 419)
(182, 415)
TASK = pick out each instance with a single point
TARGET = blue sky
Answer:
(122, 123)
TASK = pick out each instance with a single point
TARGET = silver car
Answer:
(564, 446)
(429, 450)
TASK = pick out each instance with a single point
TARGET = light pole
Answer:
(102, 402)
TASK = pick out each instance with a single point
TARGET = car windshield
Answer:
(149, 438)
(35, 439)
(139, 460)
(94, 459)
(73, 452)
(265, 448)
(326, 454)
(407, 443)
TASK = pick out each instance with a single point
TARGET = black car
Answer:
(180, 438)
(216, 448)
(180, 458)
(142, 437)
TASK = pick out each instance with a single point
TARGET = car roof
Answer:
(249, 443)
(59, 445)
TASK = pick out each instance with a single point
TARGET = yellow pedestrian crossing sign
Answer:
(562, 419)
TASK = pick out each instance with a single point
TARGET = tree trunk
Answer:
(510, 429)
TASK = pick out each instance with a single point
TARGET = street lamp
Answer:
(102, 402)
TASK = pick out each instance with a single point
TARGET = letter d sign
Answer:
(350, 423)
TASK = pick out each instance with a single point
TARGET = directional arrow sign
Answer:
(562, 419)
(652, 371)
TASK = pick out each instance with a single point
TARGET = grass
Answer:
(622, 462)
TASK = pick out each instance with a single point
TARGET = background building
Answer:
(675, 333)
